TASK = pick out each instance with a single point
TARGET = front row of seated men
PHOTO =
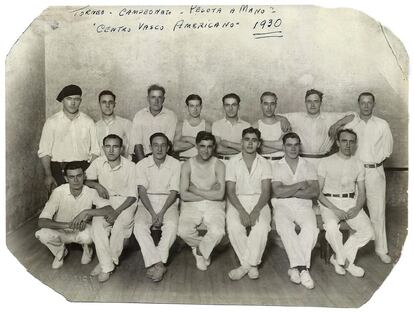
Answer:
(248, 182)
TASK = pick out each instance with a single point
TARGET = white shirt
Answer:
(340, 174)
(271, 132)
(119, 181)
(191, 131)
(118, 126)
(158, 180)
(282, 172)
(62, 206)
(227, 131)
(248, 183)
(145, 124)
(314, 131)
(374, 143)
(66, 140)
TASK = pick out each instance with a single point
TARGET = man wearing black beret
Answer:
(67, 136)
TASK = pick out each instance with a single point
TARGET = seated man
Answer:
(295, 184)
(65, 216)
(338, 175)
(158, 179)
(248, 186)
(186, 131)
(113, 176)
(202, 191)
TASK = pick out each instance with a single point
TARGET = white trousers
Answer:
(375, 190)
(109, 239)
(211, 214)
(55, 239)
(142, 230)
(360, 224)
(298, 246)
(249, 248)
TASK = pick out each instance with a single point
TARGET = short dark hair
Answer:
(106, 92)
(346, 130)
(231, 95)
(193, 97)
(267, 94)
(113, 136)
(159, 134)
(314, 92)
(252, 130)
(290, 135)
(156, 87)
(204, 135)
(74, 166)
(366, 93)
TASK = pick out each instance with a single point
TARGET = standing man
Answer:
(67, 136)
(338, 175)
(186, 132)
(272, 127)
(374, 147)
(152, 119)
(248, 186)
(113, 176)
(228, 131)
(294, 185)
(111, 123)
(65, 217)
(315, 128)
(202, 189)
(158, 179)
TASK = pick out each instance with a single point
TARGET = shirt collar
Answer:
(63, 115)
(163, 111)
(151, 162)
(238, 121)
(70, 194)
(116, 167)
(109, 122)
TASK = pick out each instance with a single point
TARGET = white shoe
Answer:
(97, 270)
(306, 280)
(87, 254)
(294, 275)
(355, 271)
(58, 261)
(338, 268)
(238, 273)
(200, 262)
(253, 272)
(207, 261)
(103, 277)
(385, 258)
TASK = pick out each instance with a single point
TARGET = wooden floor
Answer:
(183, 283)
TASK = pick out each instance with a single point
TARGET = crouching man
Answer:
(202, 190)
(66, 215)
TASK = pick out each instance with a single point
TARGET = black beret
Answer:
(69, 90)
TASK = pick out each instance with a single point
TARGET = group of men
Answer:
(231, 175)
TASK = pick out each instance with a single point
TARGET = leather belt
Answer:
(313, 156)
(272, 158)
(223, 157)
(340, 195)
(373, 165)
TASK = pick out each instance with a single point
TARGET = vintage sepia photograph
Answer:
(207, 154)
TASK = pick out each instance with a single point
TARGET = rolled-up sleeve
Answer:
(95, 149)
(172, 126)
(174, 183)
(388, 141)
(46, 140)
(140, 177)
(98, 201)
(52, 205)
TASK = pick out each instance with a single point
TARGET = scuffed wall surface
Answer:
(342, 52)
(25, 111)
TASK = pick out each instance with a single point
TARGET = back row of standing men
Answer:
(70, 135)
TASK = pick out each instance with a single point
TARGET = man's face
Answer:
(250, 143)
(159, 147)
(366, 105)
(112, 149)
(346, 143)
(71, 104)
(313, 104)
(269, 104)
(194, 108)
(205, 149)
(156, 100)
(231, 107)
(292, 148)
(75, 178)
(107, 104)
